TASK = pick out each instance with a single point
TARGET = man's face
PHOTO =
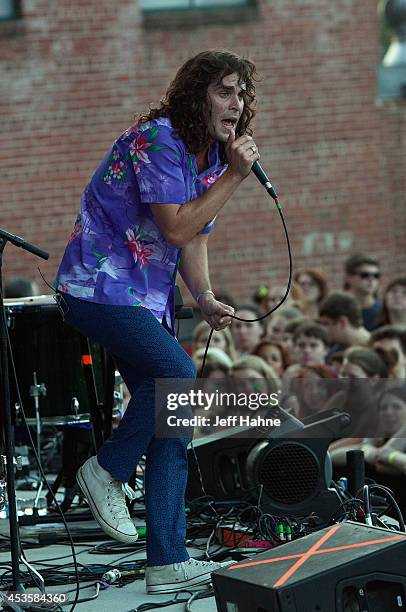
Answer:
(310, 350)
(225, 106)
(334, 329)
(365, 279)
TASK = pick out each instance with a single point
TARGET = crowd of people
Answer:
(326, 350)
(322, 351)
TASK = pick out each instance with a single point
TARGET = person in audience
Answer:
(276, 325)
(252, 374)
(309, 390)
(394, 304)
(221, 339)
(215, 356)
(362, 274)
(310, 347)
(385, 456)
(246, 335)
(392, 340)
(290, 330)
(216, 378)
(275, 355)
(335, 360)
(267, 297)
(340, 313)
(311, 344)
(313, 283)
(366, 372)
(392, 426)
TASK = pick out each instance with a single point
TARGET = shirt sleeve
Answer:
(157, 161)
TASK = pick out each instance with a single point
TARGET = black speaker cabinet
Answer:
(347, 567)
(294, 473)
(222, 459)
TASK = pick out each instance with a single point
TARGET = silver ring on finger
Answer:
(253, 149)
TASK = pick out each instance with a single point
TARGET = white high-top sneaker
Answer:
(106, 498)
(185, 575)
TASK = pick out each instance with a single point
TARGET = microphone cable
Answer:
(288, 286)
(271, 191)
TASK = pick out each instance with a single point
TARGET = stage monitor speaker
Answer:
(348, 567)
(294, 475)
(222, 459)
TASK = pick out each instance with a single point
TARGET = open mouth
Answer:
(229, 123)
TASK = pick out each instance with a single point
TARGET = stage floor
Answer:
(119, 599)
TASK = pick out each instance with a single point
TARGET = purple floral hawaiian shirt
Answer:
(116, 253)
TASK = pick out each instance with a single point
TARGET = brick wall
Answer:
(73, 75)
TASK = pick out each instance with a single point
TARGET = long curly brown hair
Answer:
(185, 101)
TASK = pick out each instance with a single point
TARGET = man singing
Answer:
(147, 213)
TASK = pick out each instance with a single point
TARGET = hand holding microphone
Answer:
(241, 153)
(243, 156)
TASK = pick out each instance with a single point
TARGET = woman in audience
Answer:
(385, 457)
(276, 325)
(246, 335)
(365, 372)
(309, 391)
(252, 374)
(215, 356)
(215, 379)
(313, 283)
(220, 339)
(394, 303)
(275, 355)
(389, 449)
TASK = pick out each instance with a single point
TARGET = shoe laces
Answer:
(117, 492)
(192, 561)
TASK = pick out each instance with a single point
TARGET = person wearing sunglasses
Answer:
(362, 274)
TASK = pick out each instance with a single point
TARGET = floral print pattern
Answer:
(116, 253)
(116, 170)
(138, 246)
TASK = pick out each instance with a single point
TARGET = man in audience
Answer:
(340, 313)
(392, 340)
(362, 276)
(310, 347)
(310, 344)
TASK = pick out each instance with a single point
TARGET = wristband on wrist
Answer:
(199, 295)
(392, 456)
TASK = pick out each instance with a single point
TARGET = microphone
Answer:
(264, 180)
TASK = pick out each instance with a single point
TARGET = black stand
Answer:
(6, 411)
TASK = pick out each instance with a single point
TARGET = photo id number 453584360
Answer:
(28, 599)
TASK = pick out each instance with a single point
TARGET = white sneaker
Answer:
(181, 576)
(106, 498)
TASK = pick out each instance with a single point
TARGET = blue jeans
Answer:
(142, 350)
